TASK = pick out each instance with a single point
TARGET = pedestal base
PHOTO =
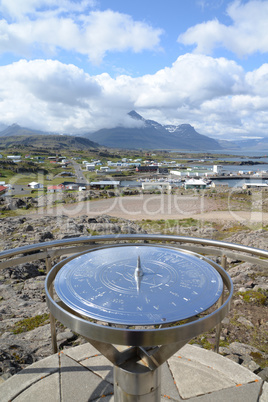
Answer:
(140, 384)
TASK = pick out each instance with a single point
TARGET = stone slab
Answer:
(101, 366)
(169, 389)
(42, 391)
(194, 379)
(238, 373)
(264, 394)
(81, 352)
(15, 385)
(243, 393)
(79, 383)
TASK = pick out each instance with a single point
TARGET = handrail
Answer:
(56, 248)
(132, 237)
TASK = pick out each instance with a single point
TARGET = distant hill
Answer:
(229, 145)
(152, 135)
(57, 142)
(260, 144)
(15, 129)
(2, 127)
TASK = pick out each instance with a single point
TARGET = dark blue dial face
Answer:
(138, 285)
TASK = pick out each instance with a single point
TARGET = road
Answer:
(18, 189)
(79, 173)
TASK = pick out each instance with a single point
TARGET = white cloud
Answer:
(191, 80)
(46, 93)
(246, 35)
(17, 9)
(71, 26)
(216, 96)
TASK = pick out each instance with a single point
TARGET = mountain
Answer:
(2, 127)
(229, 145)
(150, 134)
(256, 144)
(15, 129)
(56, 142)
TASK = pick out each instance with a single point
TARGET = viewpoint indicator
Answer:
(138, 285)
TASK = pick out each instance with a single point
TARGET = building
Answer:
(55, 189)
(90, 167)
(194, 183)
(149, 168)
(14, 158)
(162, 170)
(72, 186)
(35, 185)
(176, 173)
(256, 185)
(217, 169)
(105, 184)
(156, 186)
(3, 189)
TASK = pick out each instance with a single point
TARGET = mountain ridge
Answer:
(56, 141)
(148, 134)
(153, 135)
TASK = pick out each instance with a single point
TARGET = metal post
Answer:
(220, 303)
(51, 317)
(137, 383)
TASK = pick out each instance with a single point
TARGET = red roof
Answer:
(2, 188)
(58, 187)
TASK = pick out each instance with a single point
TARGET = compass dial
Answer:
(138, 285)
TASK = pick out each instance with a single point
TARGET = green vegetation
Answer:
(170, 226)
(28, 324)
(259, 297)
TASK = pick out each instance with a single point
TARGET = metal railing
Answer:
(57, 248)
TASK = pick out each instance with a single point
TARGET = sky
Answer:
(76, 66)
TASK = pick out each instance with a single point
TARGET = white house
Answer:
(217, 169)
(194, 183)
(72, 186)
(256, 185)
(90, 167)
(14, 158)
(35, 185)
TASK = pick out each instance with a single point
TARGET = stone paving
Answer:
(82, 374)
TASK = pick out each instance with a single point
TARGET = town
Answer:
(20, 174)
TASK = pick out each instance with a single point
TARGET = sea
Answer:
(261, 157)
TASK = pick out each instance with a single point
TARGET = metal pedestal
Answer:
(154, 299)
(133, 385)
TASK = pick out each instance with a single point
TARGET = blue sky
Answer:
(75, 66)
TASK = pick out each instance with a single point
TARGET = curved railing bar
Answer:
(132, 237)
(137, 337)
(56, 248)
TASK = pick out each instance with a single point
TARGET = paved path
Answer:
(82, 374)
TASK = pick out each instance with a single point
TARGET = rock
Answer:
(234, 358)
(66, 335)
(242, 349)
(250, 364)
(22, 272)
(29, 228)
(46, 236)
(245, 322)
(92, 220)
(264, 374)
(238, 302)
